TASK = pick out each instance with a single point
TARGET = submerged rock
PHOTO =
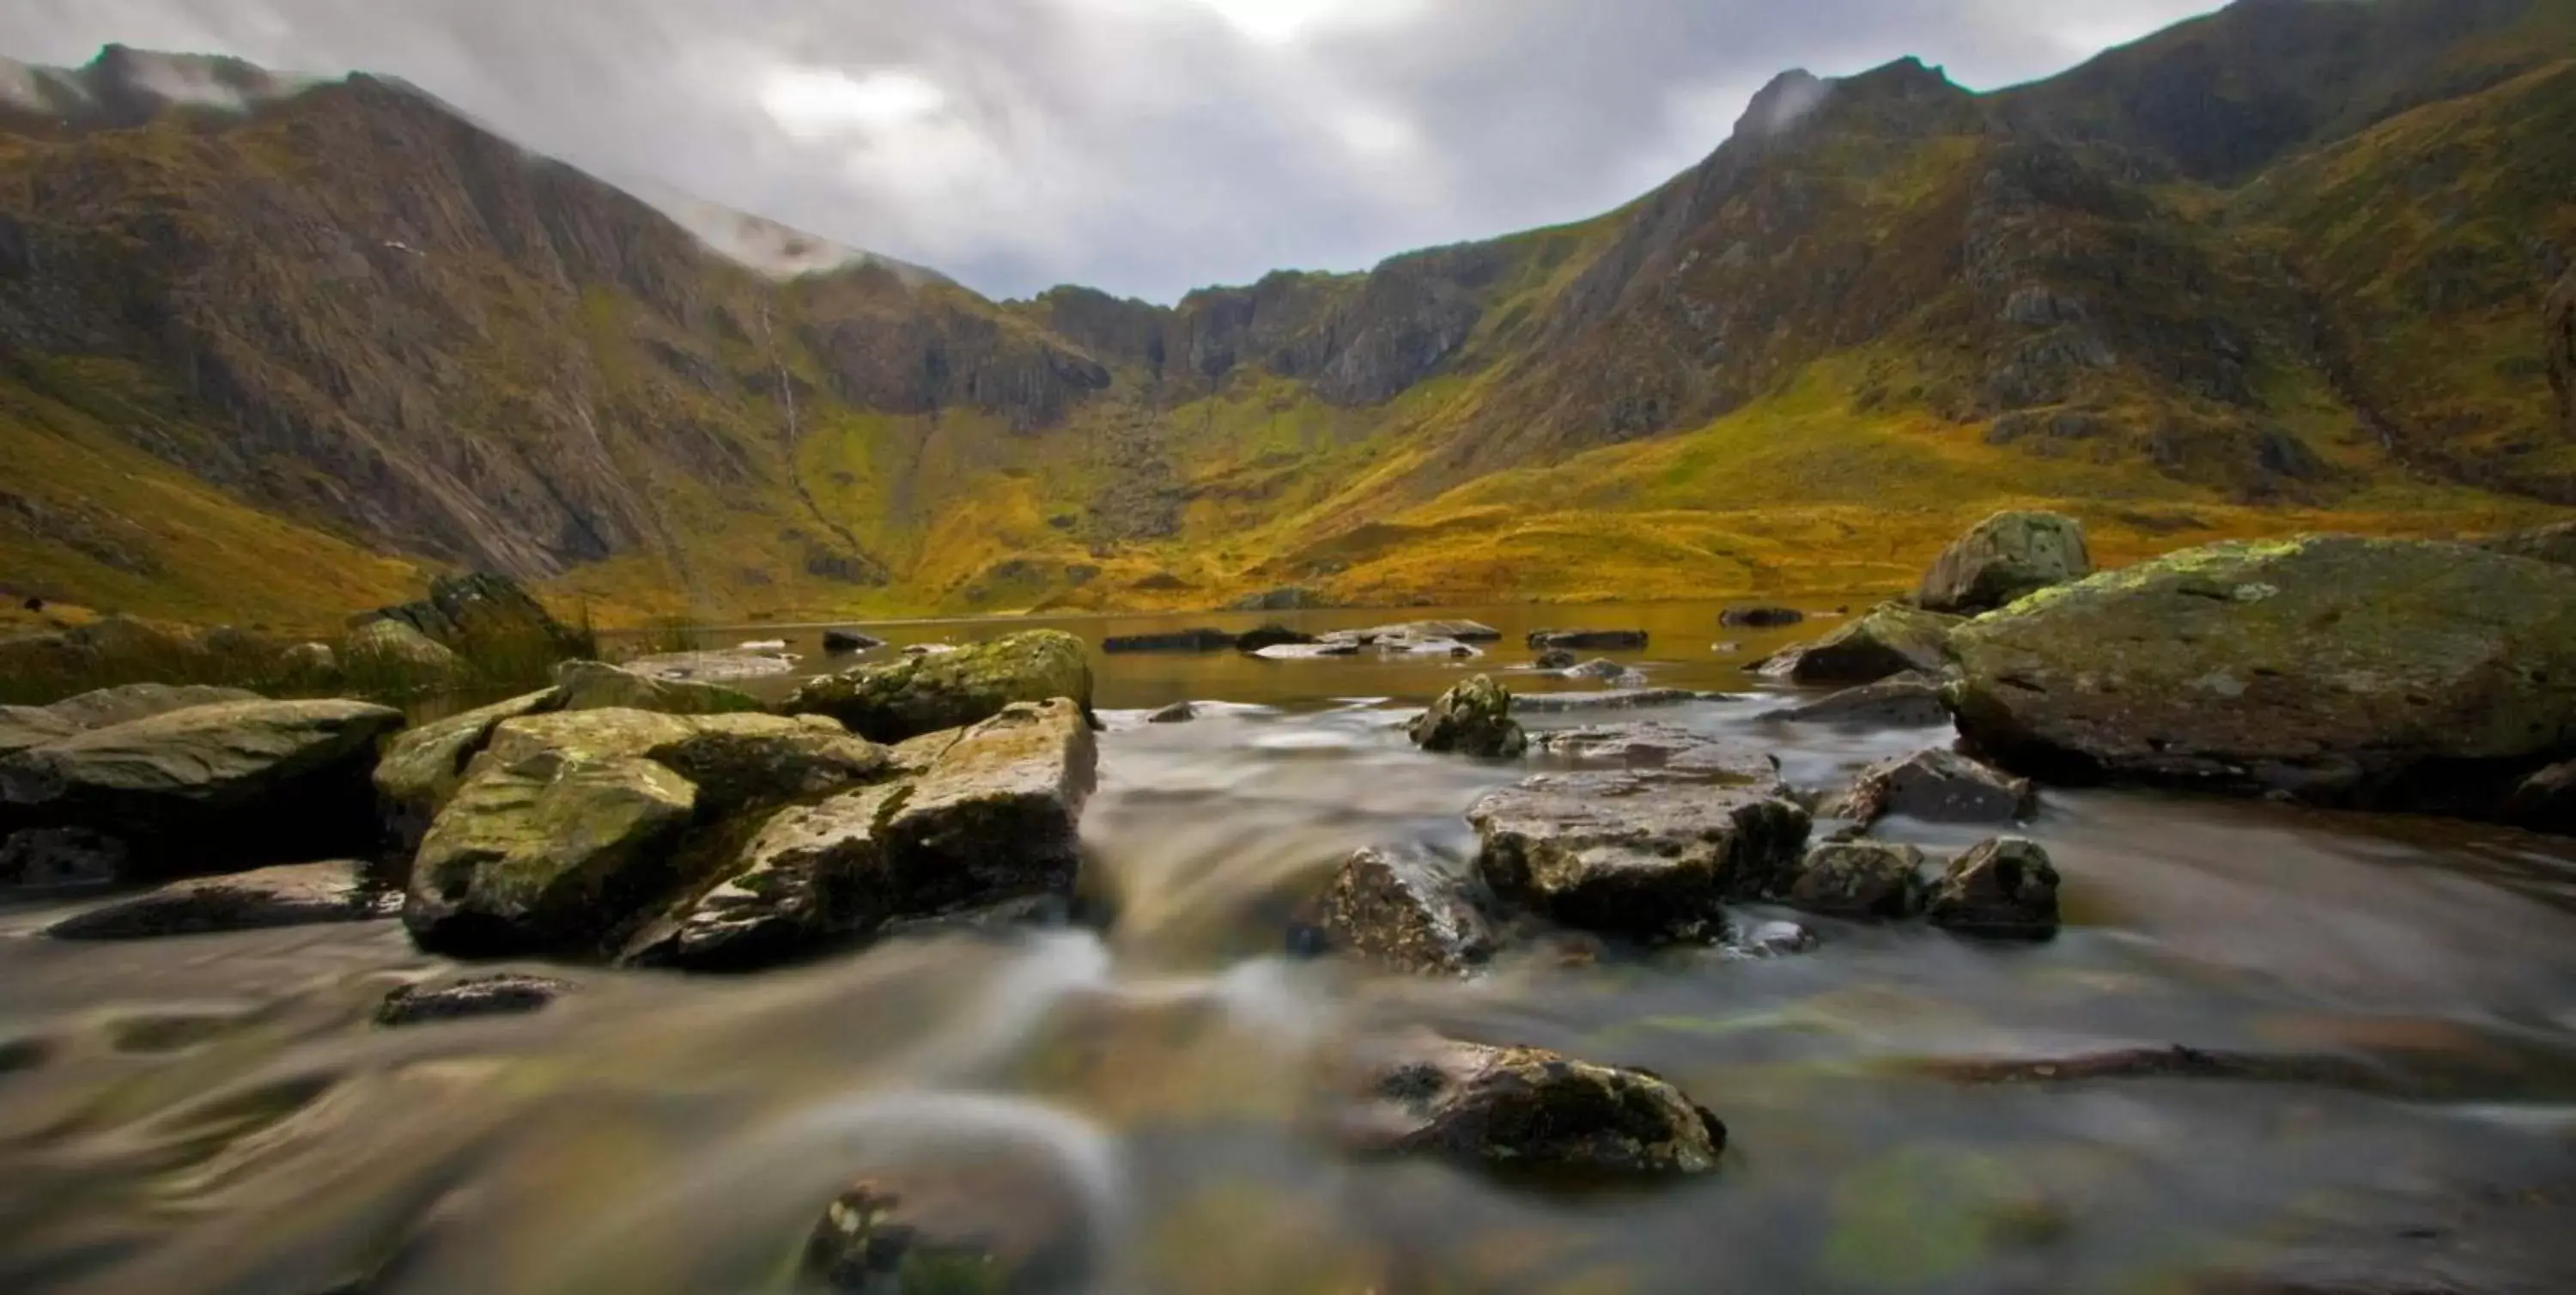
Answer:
(926, 694)
(1473, 718)
(1614, 699)
(496, 994)
(1650, 856)
(1269, 636)
(2383, 673)
(596, 685)
(1554, 659)
(1179, 712)
(1604, 670)
(2005, 888)
(1936, 787)
(2004, 558)
(1407, 910)
(1193, 640)
(289, 895)
(1524, 1108)
(1909, 700)
(982, 1224)
(1760, 617)
(1589, 640)
(843, 642)
(209, 787)
(1861, 880)
(1890, 639)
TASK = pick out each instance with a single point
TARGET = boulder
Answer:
(999, 1221)
(1760, 617)
(1555, 659)
(1473, 718)
(1193, 640)
(2004, 558)
(1774, 939)
(25, 726)
(1890, 640)
(1589, 640)
(1909, 700)
(494, 994)
(1523, 1109)
(926, 694)
(1269, 636)
(309, 665)
(2004, 888)
(844, 642)
(990, 815)
(1936, 787)
(1862, 880)
(1179, 712)
(421, 767)
(391, 656)
(210, 787)
(1657, 746)
(126, 703)
(1407, 910)
(596, 685)
(2371, 672)
(739, 761)
(289, 895)
(1650, 856)
(489, 616)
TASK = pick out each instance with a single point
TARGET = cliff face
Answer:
(2278, 254)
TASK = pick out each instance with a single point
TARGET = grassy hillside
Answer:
(2279, 268)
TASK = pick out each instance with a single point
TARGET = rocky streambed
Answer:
(950, 970)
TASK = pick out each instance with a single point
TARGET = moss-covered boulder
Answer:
(1862, 880)
(997, 815)
(801, 883)
(596, 685)
(1890, 639)
(2005, 888)
(1523, 1109)
(423, 766)
(2373, 672)
(552, 853)
(896, 700)
(208, 788)
(1407, 910)
(1473, 718)
(2005, 557)
(1645, 855)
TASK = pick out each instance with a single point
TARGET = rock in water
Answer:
(2373, 672)
(423, 766)
(2005, 888)
(1409, 911)
(1525, 1109)
(596, 685)
(844, 642)
(926, 694)
(290, 895)
(210, 787)
(1179, 712)
(1909, 700)
(2006, 557)
(1269, 636)
(992, 815)
(1589, 640)
(1760, 617)
(1473, 718)
(1193, 640)
(1657, 746)
(1648, 856)
(497, 994)
(1890, 640)
(1861, 880)
(986, 1223)
(1936, 787)
(1554, 659)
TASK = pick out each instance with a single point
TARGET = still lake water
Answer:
(214, 1114)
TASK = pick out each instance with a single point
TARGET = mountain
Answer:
(274, 346)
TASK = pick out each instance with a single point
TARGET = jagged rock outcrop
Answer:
(487, 615)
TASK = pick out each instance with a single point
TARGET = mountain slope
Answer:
(2285, 265)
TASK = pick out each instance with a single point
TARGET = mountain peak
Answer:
(1778, 106)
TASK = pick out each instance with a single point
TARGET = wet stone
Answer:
(1474, 719)
(1909, 700)
(1656, 746)
(2005, 888)
(1523, 1109)
(1589, 640)
(290, 895)
(1651, 856)
(1861, 880)
(496, 994)
(1407, 910)
(1179, 712)
(1936, 787)
(981, 1225)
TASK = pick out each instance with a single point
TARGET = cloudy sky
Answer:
(1144, 146)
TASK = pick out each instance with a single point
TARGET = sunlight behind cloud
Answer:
(1282, 21)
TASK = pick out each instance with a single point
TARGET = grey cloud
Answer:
(1143, 146)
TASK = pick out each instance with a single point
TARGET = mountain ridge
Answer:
(354, 312)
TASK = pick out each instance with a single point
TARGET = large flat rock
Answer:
(1649, 855)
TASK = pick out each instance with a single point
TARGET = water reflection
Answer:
(215, 1115)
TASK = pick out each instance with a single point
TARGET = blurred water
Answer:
(214, 1114)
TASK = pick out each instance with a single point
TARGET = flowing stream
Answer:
(216, 1113)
